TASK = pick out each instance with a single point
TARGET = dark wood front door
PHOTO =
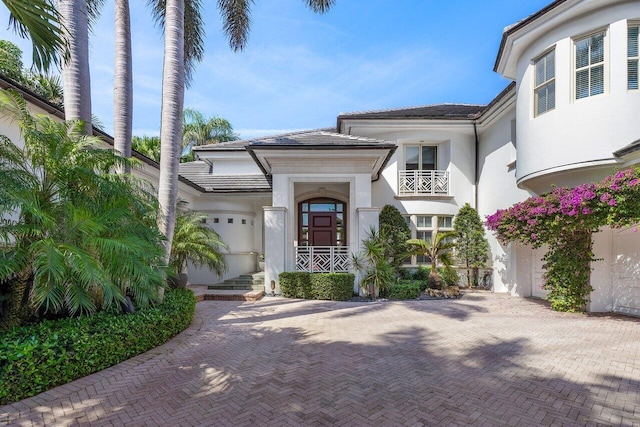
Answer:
(322, 229)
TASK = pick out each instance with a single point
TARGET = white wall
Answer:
(577, 131)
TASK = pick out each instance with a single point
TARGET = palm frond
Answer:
(236, 18)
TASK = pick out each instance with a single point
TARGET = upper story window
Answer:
(545, 87)
(632, 55)
(589, 62)
(420, 157)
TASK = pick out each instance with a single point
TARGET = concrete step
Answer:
(227, 287)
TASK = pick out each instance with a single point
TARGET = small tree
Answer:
(394, 226)
(472, 248)
(438, 249)
(373, 263)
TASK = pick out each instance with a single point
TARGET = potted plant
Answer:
(195, 243)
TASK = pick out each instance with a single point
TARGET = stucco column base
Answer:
(367, 220)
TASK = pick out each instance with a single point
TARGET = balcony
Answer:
(423, 183)
(322, 259)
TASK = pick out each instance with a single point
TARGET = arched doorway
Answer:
(322, 222)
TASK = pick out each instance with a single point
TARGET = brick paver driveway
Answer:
(483, 360)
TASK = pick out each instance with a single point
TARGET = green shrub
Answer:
(404, 289)
(295, 284)
(450, 276)
(422, 273)
(332, 286)
(35, 358)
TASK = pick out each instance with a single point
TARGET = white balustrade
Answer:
(322, 259)
(423, 183)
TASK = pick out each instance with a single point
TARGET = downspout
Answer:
(477, 163)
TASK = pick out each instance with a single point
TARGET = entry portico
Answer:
(321, 198)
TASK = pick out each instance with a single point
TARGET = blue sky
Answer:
(300, 70)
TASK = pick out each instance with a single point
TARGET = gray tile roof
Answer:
(241, 145)
(318, 139)
(439, 111)
(198, 173)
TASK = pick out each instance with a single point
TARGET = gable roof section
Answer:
(241, 145)
(199, 173)
(318, 140)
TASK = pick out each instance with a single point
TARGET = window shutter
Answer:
(632, 54)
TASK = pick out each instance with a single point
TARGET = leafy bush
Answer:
(38, 357)
(332, 286)
(295, 284)
(422, 273)
(395, 232)
(449, 276)
(404, 289)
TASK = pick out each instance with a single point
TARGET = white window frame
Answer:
(635, 58)
(590, 66)
(435, 160)
(546, 83)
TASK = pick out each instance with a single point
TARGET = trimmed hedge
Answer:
(404, 289)
(326, 286)
(332, 286)
(35, 358)
(295, 284)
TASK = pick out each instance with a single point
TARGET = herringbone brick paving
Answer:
(484, 360)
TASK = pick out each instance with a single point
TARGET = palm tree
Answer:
(438, 249)
(76, 237)
(194, 242)
(197, 130)
(148, 146)
(373, 263)
(40, 21)
(75, 69)
(236, 23)
(123, 82)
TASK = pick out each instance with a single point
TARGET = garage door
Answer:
(536, 273)
(625, 280)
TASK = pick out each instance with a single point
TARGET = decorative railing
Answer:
(322, 259)
(423, 183)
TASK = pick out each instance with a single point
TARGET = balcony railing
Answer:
(423, 183)
(322, 259)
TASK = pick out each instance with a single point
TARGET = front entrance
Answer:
(322, 229)
(321, 222)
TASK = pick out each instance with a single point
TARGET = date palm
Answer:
(439, 249)
(75, 236)
(236, 23)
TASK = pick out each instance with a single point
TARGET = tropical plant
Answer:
(394, 226)
(11, 61)
(173, 13)
(372, 263)
(195, 243)
(439, 249)
(39, 20)
(198, 130)
(74, 237)
(148, 146)
(472, 248)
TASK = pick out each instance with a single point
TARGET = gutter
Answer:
(477, 163)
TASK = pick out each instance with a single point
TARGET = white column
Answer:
(275, 244)
(367, 219)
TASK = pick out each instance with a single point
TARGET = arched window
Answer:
(322, 222)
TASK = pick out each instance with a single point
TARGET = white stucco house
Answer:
(306, 200)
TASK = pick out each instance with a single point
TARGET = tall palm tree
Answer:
(198, 130)
(123, 82)
(72, 229)
(236, 23)
(75, 69)
(39, 20)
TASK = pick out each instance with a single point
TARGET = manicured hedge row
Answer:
(38, 357)
(405, 289)
(326, 286)
(332, 286)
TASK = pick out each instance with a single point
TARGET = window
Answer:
(590, 65)
(229, 220)
(420, 157)
(216, 220)
(632, 55)
(545, 86)
(244, 222)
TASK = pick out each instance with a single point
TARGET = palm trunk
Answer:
(75, 70)
(171, 119)
(122, 83)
